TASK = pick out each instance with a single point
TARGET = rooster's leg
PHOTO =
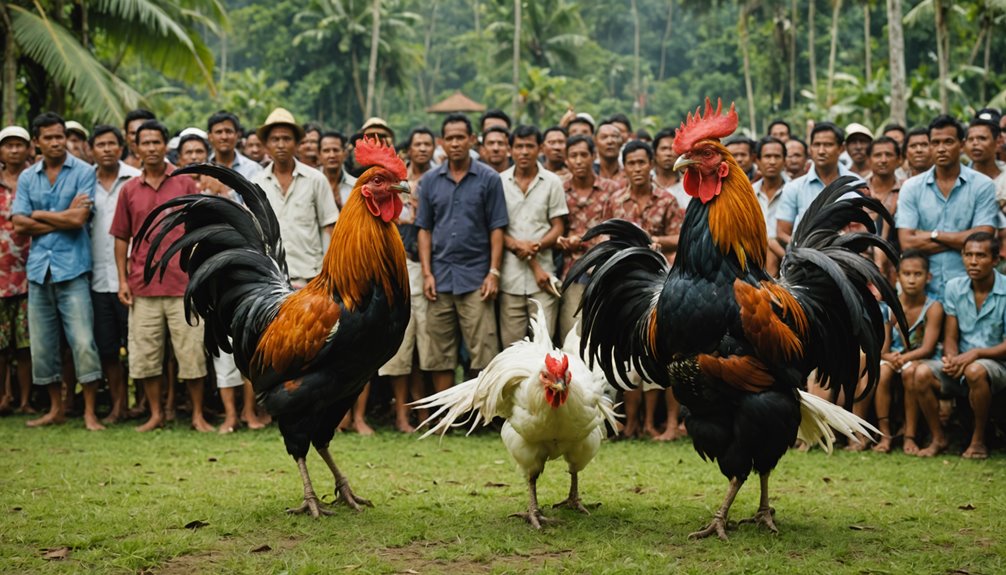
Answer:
(311, 504)
(533, 514)
(573, 501)
(765, 514)
(719, 522)
(343, 494)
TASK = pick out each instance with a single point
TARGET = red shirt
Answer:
(586, 210)
(13, 250)
(136, 200)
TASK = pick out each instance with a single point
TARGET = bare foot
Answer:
(112, 418)
(5, 404)
(974, 451)
(910, 447)
(856, 446)
(92, 424)
(362, 428)
(26, 410)
(935, 448)
(200, 425)
(228, 426)
(151, 424)
(883, 446)
(252, 421)
(630, 431)
(671, 434)
(650, 431)
(50, 418)
(404, 426)
(170, 414)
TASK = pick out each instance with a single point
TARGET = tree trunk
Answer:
(794, 13)
(357, 82)
(9, 70)
(666, 37)
(896, 51)
(942, 56)
(375, 38)
(636, 92)
(867, 48)
(424, 94)
(811, 56)
(988, 56)
(743, 36)
(836, 9)
(515, 104)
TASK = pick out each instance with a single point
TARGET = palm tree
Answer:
(896, 53)
(836, 9)
(746, 8)
(375, 36)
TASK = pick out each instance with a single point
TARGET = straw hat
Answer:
(75, 126)
(14, 132)
(376, 122)
(280, 117)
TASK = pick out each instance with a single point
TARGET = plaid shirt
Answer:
(586, 210)
(659, 215)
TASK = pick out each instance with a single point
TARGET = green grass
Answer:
(120, 502)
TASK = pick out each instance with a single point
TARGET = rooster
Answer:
(308, 353)
(735, 345)
(553, 404)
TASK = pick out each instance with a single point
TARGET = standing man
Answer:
(307, 145)
(133, 120)
(554, 151)
(857, 145)
(771, 153)
(940, 208)
(496, 149)
(300, 196)
(111, 317)
(333, 156)
(665, 176)
(52, 205)
(885, 186)
(156, 307)
(223, 130)
(918, 156)
(742, 149)
(535, 207)
(14, 337)
(796, 158)
(609, 143)
(254, 149)
(980, 145)
(461, 218)
(780, 130)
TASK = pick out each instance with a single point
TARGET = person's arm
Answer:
(783, 232)
(490, 285)
(934, 325)
(921, 240)
(552, 235)
(955, 240)
(28, 226)
(425, 260)
(72, 218)
(121, 251)
(523, 249)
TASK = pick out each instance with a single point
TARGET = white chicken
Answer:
(554, 406)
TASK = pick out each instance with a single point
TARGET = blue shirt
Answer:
(922, 206)
(977, 328)
(798, 194)
(65, 254)
(461, 217)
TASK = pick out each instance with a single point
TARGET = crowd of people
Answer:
(496, 219)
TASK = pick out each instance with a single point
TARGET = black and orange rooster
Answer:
(308, 353)
(735, 345)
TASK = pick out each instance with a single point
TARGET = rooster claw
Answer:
(576, 505)
(344, 496)
(311, 505)
(535, 518)
(765, 517)
(718, 526)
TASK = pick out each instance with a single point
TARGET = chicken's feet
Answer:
(766, 514)
(573, 501)
(535, 518)
(311, 503)
(718, 525)
(343, 493)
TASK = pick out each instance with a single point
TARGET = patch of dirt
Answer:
(414, 558)
(204, 561)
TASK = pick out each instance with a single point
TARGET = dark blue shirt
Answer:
(460, 218)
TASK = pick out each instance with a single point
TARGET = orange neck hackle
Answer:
(735, 218)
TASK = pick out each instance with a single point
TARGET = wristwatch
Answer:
(935, 236)
(494, 272)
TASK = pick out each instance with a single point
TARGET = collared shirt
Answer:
(801, 192)
(977, 328)
(303, 212)
(659, 215)
(242, 165)
(586, 210)
(13, 249)
(346, 183)
(769, 206)
(105, 276)
(619, 178)
(460, 217)
(922, 206)
(530, 216)
(137, 199)
(65, 254)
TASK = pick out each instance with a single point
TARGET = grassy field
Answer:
(119, 502)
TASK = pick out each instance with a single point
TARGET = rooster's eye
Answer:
(378, 180)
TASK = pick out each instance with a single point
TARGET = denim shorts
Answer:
(67, 305)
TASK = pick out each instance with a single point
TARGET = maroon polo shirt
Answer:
(136, 200)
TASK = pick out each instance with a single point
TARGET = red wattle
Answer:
(705, 189)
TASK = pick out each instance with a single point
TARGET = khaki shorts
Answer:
(516, 312)
(148, 318)
(477, 320)
(958, 387)
(415, 338)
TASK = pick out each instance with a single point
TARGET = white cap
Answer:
(588, 117)
(195, 131)
(14, 132)
(856, 128)
(75, 126)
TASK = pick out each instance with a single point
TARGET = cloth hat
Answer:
(856, 128)
(195, 131)
(280, 117)
(14, 132)
(588, 118)
(75, 126)
(376, 122)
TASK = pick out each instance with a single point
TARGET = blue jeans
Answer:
(53, 305)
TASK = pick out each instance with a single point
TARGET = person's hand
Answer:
(524, 249)
(81, 201)
(125, 294)
(490, 287)
(567, 117)
(542, 278)
(955, 366)
(569, 243)
(430, 287)
(894, 358)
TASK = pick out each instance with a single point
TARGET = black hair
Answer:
(250, 132)
(635, 146)
(526, 131)
(152, 125)
(456, 118)
(993, 239)
(991, 125)
(44, 120)
(769, 140)
(915, 254)
(916, 131)
(780, 122)
(223, 116)
(798, 141)
(828, 127)
(946, 121)
(137, 114)
(581, 139)
(607, 122)
(551, 129)
(191, 138)
(497, 130)
(495, 113)
(741, 140)
(334, 134)
(580, 120)
(884, 140)
(313, 127)
(621, 119)
(895, 128)
(662, 134)
(101, 130)
(642, 134)
(418, 131)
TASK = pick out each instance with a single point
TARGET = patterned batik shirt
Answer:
(13, 250)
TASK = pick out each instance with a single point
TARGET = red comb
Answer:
(705, 127)
(555, 366)
(371, 152)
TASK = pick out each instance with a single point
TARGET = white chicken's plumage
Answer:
(534, 431)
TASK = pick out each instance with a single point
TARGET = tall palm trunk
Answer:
(836, 8)
(896, 51)
(868, 64)
(744, 46)
(636, 89)
(515, 104)
(794, 14)
(665, 39)
(942, 53)
(811, 56)
(9, 69)
(375, 38)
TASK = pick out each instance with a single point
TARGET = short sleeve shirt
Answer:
(922, 206)
(13, 250)
(586, 210)
(529, 216)
(769, 206)
(977, 328)
(798, 194)
(105, 277)
(460, 217)
(65, 254)
(658, 216)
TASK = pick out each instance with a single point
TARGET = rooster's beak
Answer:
(683, 162)
(401, 187)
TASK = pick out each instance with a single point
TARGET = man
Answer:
(940, 208)
(826, 144)
(980, 146)
(461, 218)
(300, 196)
(581, 124)
(974, 347)
(192, 149)
(896, 132)
(14, 337)
(918, 156)
(885, 186)
(494, 117)
(657, 213)
(223, 131)
(419, 149)
(780, 130)
(333, 155)
(743, 150)
(609, 143)
(554, 151)
(52, 205)
(377, 128)
(307, 145)
(254, 149)
(535, 208)
(157, 306)
(496, 148)
(771, 154)
(665, 176)
(624, 125)
(76, 141)
(857, 142)
(133, 120)
(796, 158)
(111, 318)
